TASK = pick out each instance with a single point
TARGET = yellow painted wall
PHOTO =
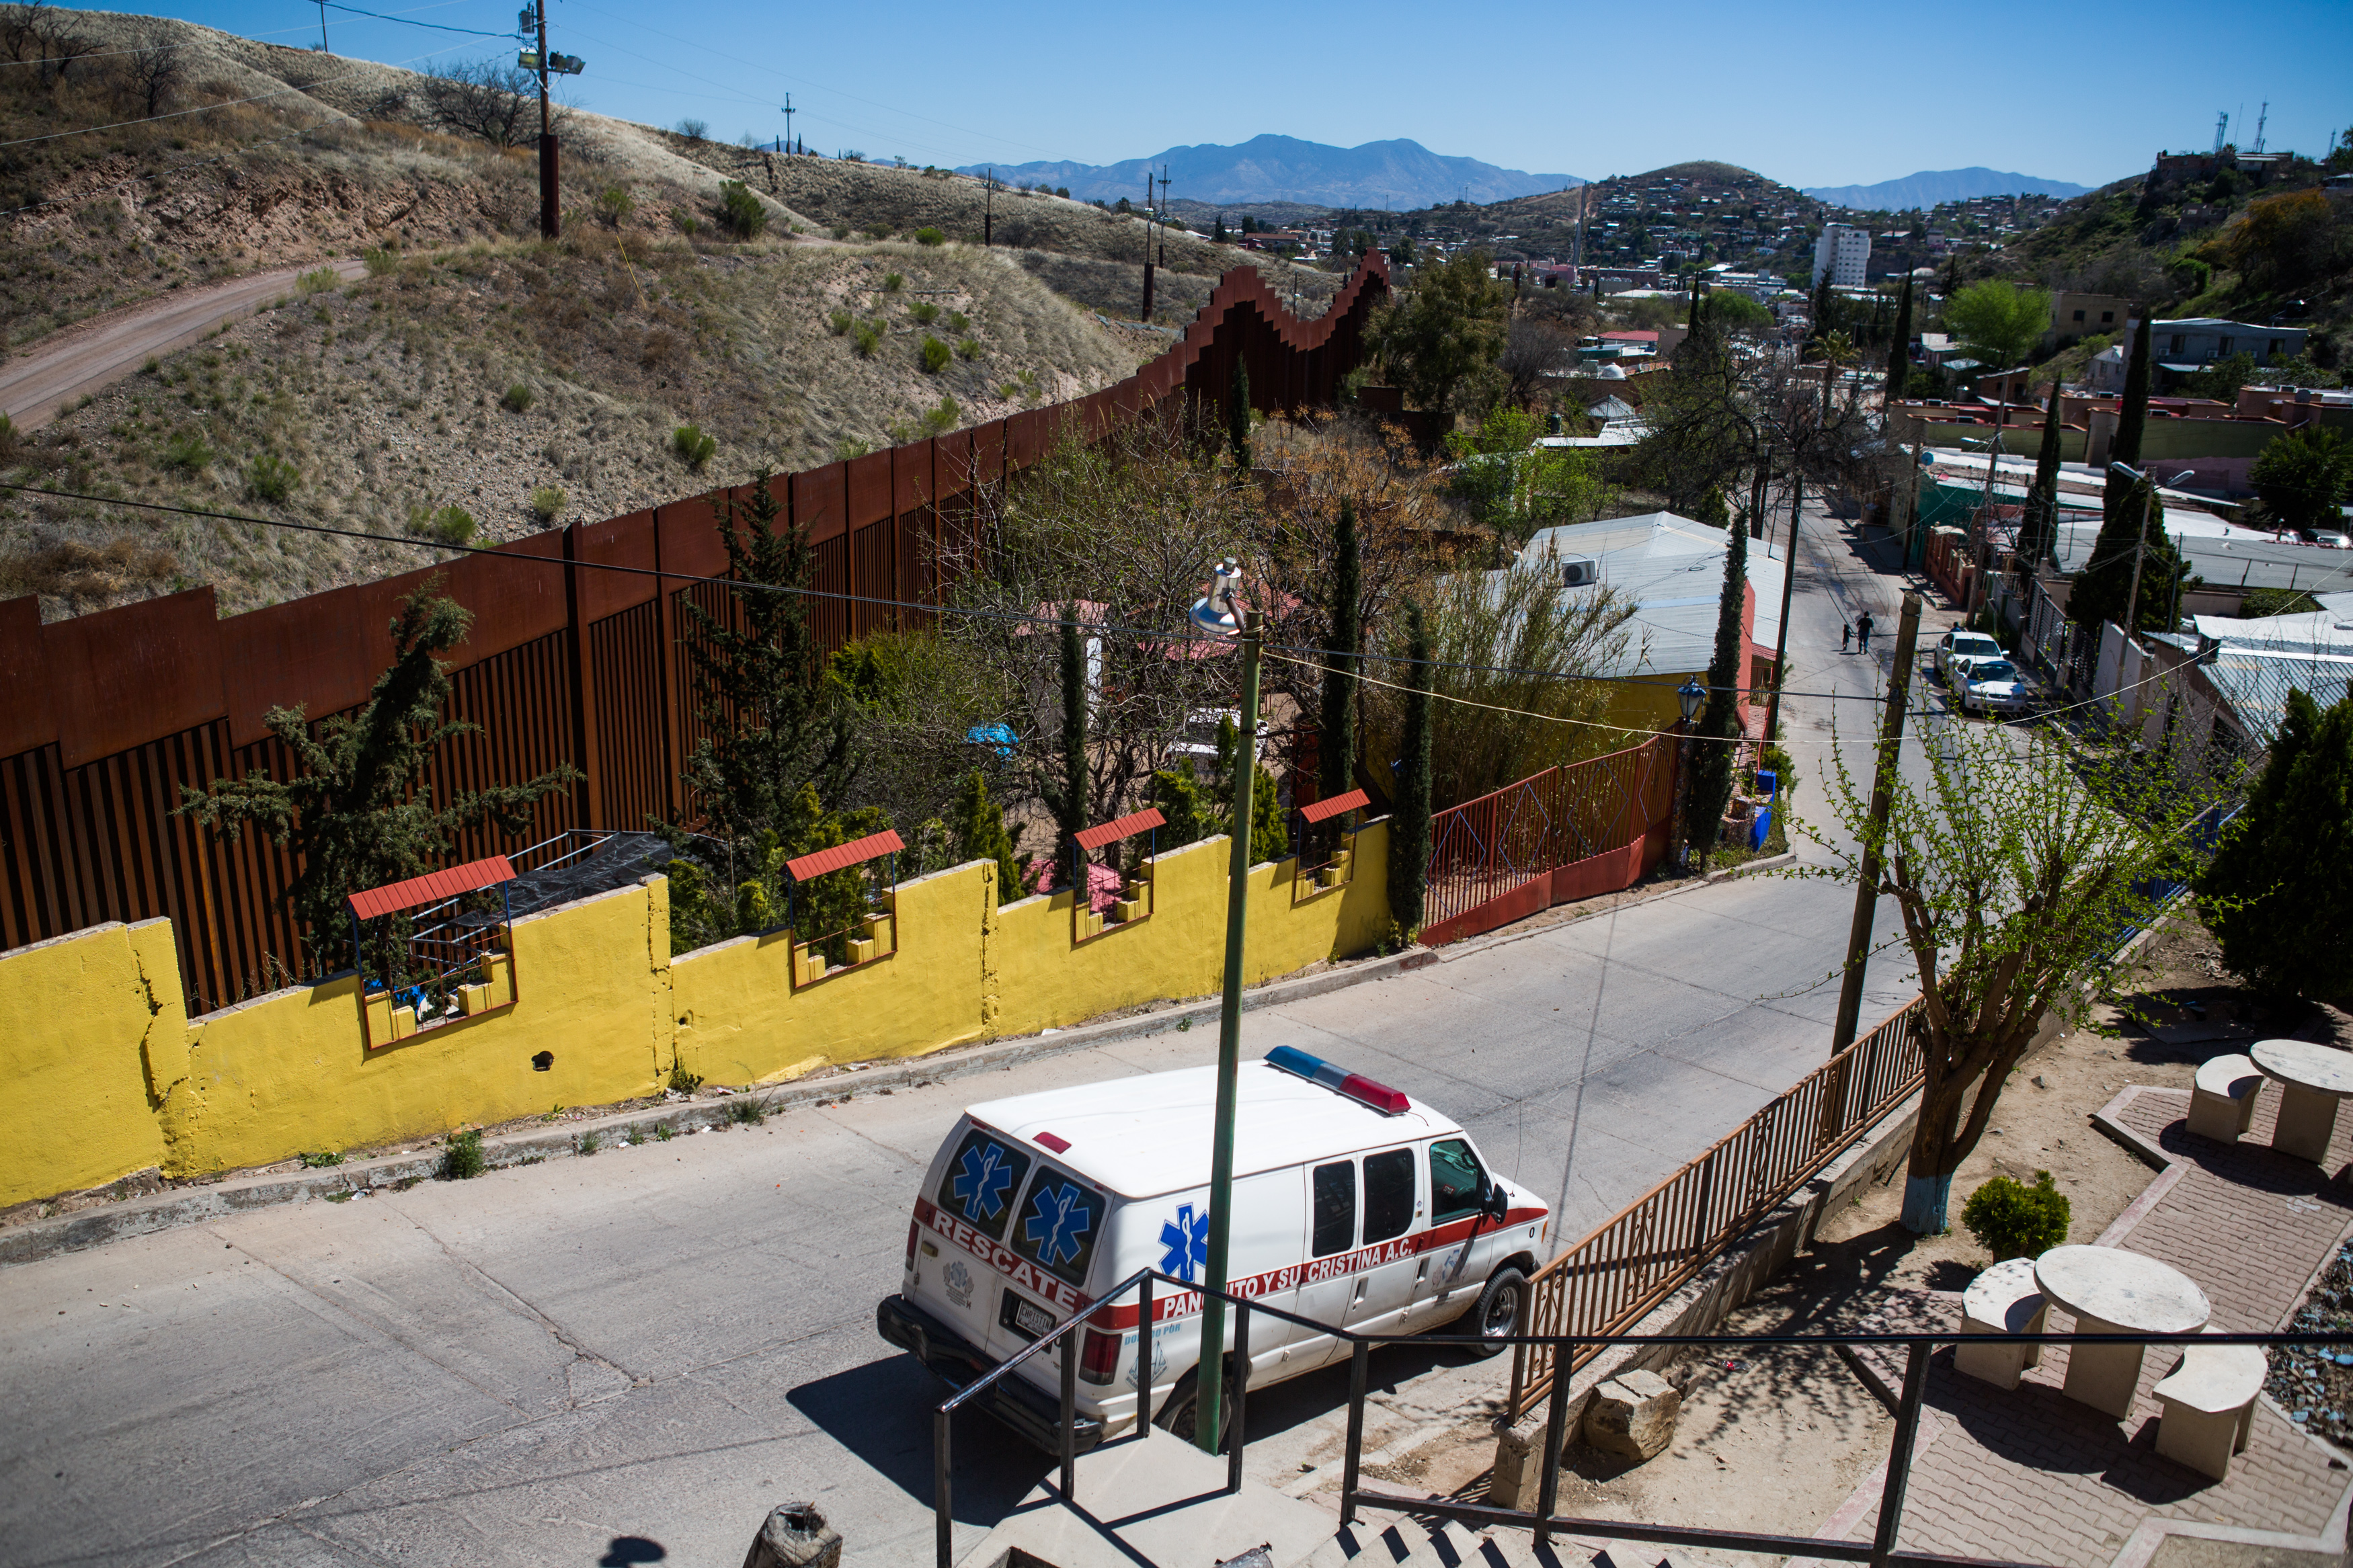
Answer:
(102, 1074)
(83, 1019)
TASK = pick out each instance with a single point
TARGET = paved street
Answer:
(631, 1358)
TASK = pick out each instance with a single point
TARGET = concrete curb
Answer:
(398, 1172)
(1750, 868)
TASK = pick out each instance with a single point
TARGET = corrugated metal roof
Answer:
(1121, 828)
(1672, 568)
(1355, 800)
(431, 888)
(850, 853)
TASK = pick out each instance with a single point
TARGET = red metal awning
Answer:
(1110, 832)
(855, 852)
(1352, 801)
(431, 888)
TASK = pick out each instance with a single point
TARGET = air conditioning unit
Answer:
(1579, 571)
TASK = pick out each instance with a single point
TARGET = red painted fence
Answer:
(1565, 833)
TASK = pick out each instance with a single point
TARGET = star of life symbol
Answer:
(981, 1182)
(1057, 1219)
(1187, 1240)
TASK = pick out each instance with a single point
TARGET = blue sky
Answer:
(1828, 94)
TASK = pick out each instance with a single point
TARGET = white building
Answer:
(1842, 252)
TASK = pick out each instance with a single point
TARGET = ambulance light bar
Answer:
(1356, 1086)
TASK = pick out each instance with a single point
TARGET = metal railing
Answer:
(1604, 1284)
(1880, 1551)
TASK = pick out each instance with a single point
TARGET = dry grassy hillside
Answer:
(483, 377)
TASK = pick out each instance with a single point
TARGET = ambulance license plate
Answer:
(1025, 1318)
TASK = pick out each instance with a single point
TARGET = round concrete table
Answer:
(2112, 1292)
(2312, 1080)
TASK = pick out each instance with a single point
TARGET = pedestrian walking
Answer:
(1862, 632)
(1846, 636)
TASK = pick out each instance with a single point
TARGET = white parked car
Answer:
(1959, 647)
(1354, 1207)
(1993, 686)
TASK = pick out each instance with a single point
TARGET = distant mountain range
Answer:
(1930, 187)
(1402, 173)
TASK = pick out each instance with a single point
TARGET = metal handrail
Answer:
(1881, 1551)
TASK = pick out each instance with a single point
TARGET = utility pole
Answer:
(1164, 214)
(1789, 591)
(550, 220)
(988, 205)
(322, 28)
(1866, 892)
(788, 124)
(1147, 244)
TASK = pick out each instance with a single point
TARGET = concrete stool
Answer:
(2001, 1300)
(2223, 1102)
(2209, 1405)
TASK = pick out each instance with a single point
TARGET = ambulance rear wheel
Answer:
(1176, 1417)
(1496, 1316)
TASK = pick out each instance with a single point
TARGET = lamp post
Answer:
(1219, 616)
(1689, 696)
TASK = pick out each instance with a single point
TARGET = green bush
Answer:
(968, 348)
(323, 1159)
(839, 323)
(740, 211)
(2011, 1219)
(187, 451)
(923, 310)
(941, 419)
(271, 478)
(690, 442)
(687, 222)
(936, 355)
(452, 524)
(893, 282)
(958, 321)
(930, 236)
(613, 204)
(842, 231)
(519, 399)
(682, 1081)
(547, 502)
(318, 281)
(745, 1111)
(462, 1155)
(379, 260)
(866, 339)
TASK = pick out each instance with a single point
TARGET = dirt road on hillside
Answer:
(90, 354)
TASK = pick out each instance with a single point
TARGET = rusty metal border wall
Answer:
(105, 716)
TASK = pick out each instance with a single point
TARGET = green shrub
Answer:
(379, 260)
(318, 281)
(271, 478)
(452, 524)
(462, 1155)
(589, 1143)
(930, 236)
(745, 1111)
(2011, 1219)
(842, 231)
(943, 418)
(613, 204)
(893, 282)
(866, 339)
(688, 442)
(850, 446)
(662, 1133)
(923, 310)
(936, 355)
(323, 1159)
(968, 348)
(187, 452)
(547, 502)
(682, 1081)
(958, 321)
(687, 223)
(519, 399)
(740, 212)
(839, 323)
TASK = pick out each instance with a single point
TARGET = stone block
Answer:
(1632, 1414)
(1519, 1464)
(796, 1536)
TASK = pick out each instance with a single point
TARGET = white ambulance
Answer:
(1355, 1206)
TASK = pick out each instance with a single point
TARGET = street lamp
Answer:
(1689, 697)
(1217, 615)
(2148, 504)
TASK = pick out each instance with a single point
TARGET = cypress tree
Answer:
(2132, 417)
(1238, 415)
(1336, 754)
(2102, 585)
(2037, 532)
(1713, 748)
(1071, 803)
(2287, 860)
(1410, 819)
(979, 834)
(1899, 353)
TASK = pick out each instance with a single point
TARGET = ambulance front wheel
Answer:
(1496, 1316)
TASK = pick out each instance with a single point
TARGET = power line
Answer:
(381, 16)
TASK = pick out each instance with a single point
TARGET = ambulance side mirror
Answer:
(1499, 1203)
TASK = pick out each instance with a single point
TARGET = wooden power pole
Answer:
(1883, 786)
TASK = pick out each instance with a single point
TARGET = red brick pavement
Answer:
(2033, 1477)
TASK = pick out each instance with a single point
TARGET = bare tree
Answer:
(481, 99)
(1533, 349)
(156, 70)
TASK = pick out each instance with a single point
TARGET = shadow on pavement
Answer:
(881, 1412)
